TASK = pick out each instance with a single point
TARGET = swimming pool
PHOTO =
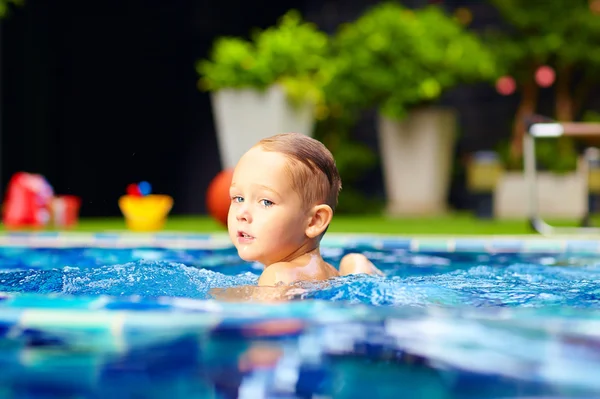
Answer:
(99, 315)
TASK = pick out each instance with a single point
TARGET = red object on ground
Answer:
(65, 210)
(27, 201)
(217, 196)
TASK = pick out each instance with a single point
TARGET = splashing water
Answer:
(411, 279)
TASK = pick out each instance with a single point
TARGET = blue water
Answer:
(511, 280)
(438, 325)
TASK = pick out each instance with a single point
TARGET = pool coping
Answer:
(414, 243)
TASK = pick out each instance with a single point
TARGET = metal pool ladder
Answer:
(551, 130)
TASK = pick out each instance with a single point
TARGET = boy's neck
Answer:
(304, 255)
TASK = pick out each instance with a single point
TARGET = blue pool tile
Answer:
(506, 245)
(81, 320)
(544, 246)
(25, 234)
(471, 245)
(139, 306)
(194, 237)
(135, 323)
(41, 301)
(431, 245)
(166, 236)
(107, 236)
(583, 246)
(337, 242)
(28, 234)
(398, 243)
(47, 234)
(10, 317)
(39, 338)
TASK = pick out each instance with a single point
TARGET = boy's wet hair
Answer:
(312, 167)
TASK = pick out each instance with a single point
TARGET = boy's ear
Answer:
(320, 217)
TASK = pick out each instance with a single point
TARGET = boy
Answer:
(283, 193)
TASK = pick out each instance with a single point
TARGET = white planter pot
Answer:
(561, 196)
(417, 160)
(245, 116)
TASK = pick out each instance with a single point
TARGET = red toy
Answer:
(217, 196)
(28, 201)
(134, 190)
(65, 210)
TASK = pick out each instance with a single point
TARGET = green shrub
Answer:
(395, 58)
(293, 53)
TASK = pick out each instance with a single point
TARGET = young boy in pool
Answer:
(283, 193)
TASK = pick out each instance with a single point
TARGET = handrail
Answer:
(546, 129)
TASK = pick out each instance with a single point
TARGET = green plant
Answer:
(5, 5)
(293, 53)
(549, 155)
(353, 160)
(395, 58)
(562, 35)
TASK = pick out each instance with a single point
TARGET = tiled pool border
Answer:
(458, 244)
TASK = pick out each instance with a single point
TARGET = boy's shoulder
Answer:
(278, 273)
(287, 273)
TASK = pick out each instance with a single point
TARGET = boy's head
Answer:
(311, 167)
(283, 194)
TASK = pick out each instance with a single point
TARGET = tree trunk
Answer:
(527, 107)
(581, 92)
(564, 100)
(565, 112)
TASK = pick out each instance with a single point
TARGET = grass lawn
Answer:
(451, 224)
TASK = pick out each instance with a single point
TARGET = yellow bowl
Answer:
(148, 213)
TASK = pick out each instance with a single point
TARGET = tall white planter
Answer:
(417, 160)
(245, 116)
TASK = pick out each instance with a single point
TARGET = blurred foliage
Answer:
(558, 155)
(296, 55)
(563, 34)
(353, 201)
(591, 116)
(293, 53)
(353, 160)
(558, 32)
(547, 157)
(392, 58)
(5, 6)
(395, 58)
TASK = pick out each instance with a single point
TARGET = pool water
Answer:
(98, 322)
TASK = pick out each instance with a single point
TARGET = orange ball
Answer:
(217, 196)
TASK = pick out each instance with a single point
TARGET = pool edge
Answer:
(414, 243)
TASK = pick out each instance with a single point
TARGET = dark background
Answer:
(100, 94)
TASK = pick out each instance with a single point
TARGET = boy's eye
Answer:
(266, 203)
(237, 198)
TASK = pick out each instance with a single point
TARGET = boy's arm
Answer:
(273, 285)
(358, 264)
(249, 293)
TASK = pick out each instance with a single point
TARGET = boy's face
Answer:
(267, 219)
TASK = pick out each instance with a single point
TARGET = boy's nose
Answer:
(243, 215)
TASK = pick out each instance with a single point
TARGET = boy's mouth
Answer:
(243, 236)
